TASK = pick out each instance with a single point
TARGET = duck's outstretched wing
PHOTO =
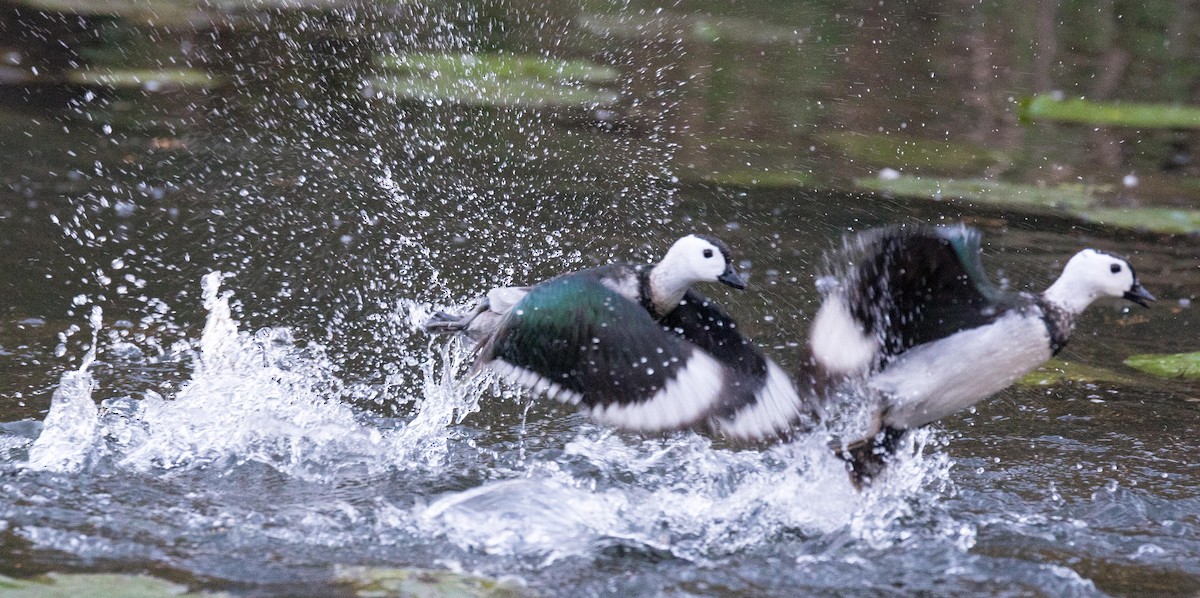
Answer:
(761, 400)
(575, 340)
(904, 286)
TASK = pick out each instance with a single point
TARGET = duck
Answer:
(636, 347)
(909, 325)
(909, 317)
(657, 288)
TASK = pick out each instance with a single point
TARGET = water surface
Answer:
(263, 250)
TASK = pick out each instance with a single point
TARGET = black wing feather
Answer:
(916, 284)
(703, 323)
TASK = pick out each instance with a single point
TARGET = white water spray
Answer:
(70, 431)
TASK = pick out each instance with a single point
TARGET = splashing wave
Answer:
(261, 399)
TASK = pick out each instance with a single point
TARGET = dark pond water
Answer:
(351, 168)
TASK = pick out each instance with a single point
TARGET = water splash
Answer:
(96, 321)
(219, 340)
(70, 432)
(684, 497)
(445, 400)
(918, 476)
(265, 399)
(254, 398)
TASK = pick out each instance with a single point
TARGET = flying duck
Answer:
(658, 288)
(909, 315)
(636, 347)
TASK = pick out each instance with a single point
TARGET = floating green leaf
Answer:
(1122, 114)
(704, 28)
(524, 94)
(985, 191)
(1076, 200)
(497, 80)
(496, 66)
(1057, 371)
(421, 583)
(147, 79)
(905, 152)
(93, 585)
(1161, 220)
(1179, 365)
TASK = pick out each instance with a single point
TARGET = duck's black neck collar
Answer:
(1060, 323)
(645, 292)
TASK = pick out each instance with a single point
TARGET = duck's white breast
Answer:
(934, 380)
(838, 341)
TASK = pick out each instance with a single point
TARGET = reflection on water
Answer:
(300, 420)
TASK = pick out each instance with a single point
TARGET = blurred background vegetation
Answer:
(805, 94)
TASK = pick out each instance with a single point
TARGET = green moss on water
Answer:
(700, 28)
(422, 583)
(984, 191)
(903, 152)
(1057, 371)
(1074, 200)
(497, 66)
(1160, 220)
(1116, 114)
(146, 79)
(1178, 365)
(524, 94)
(496, 79)
(93, 585)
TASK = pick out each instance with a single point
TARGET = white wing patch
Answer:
(625, 286)
(502, 299)
(535, 382)
(776, 408)
(684, 400)
(838, 341)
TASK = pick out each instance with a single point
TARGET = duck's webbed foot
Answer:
(442, 322)
(866, 459)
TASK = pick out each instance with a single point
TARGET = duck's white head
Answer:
(699, 258)
(1092, 274)
(692, 259)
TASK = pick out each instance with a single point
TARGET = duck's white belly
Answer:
(934, 380)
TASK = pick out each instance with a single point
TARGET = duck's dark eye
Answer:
(1115, 268)
(708, 253)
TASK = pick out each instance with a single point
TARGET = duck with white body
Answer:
(908, 319)
(916, 322)
(636, 347)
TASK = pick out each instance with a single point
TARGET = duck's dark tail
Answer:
(867, 458)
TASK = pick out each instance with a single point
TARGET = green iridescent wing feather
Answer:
(579, 334)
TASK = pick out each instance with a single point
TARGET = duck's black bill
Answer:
(732, 278)
(1139, 295)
